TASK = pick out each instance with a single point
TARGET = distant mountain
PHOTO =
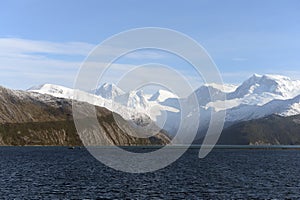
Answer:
(267, 86)
(271, 130)
(246, 112)
(206, 93)
(133, 106)
(133, 99)
(68, 93)
(109, 91)
(54, 90)
(261, 96)
(30, 118)
(257, 97)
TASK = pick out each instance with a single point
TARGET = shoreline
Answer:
(240, 147)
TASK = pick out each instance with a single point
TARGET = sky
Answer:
(46, 41)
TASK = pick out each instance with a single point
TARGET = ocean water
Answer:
(62, 173)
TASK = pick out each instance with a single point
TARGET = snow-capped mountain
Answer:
(133, 105)
(133, 99)
(30, 118)
(108, 91)
(246, 112)
(205, 93)
(54, 90)
(259, 90)
(68, 93)
(258, 96)
(266, 88)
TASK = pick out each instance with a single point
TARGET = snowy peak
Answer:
(162, 95)
(268, 84)
(133, 99)
(45, 86)
(206, 93)
(136, 98)
(109, 91)
(258, 96)
(54, 90)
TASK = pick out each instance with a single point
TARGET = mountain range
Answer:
(30, 118)
(256, 98)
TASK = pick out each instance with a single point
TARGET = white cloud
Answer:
(31, 62)
(16, 46)
(24, 63)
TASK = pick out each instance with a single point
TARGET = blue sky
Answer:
(45, 41)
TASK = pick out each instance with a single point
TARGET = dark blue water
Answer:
(61, 173)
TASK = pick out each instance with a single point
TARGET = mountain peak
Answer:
(55, 90)
(269, 83)
(274, 77)
(38, 87)
(257, 75)
(108, 91)
(46, 85)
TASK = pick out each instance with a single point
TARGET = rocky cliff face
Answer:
(28, 118)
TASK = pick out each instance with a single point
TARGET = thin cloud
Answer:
(239, 59)
(17, 46)
(144, 55)
(30, 60)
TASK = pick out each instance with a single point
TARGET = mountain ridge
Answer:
(30, 118)
(257, 97)
(270, 130)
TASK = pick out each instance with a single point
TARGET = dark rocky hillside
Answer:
(273, 130)
(35, 119)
